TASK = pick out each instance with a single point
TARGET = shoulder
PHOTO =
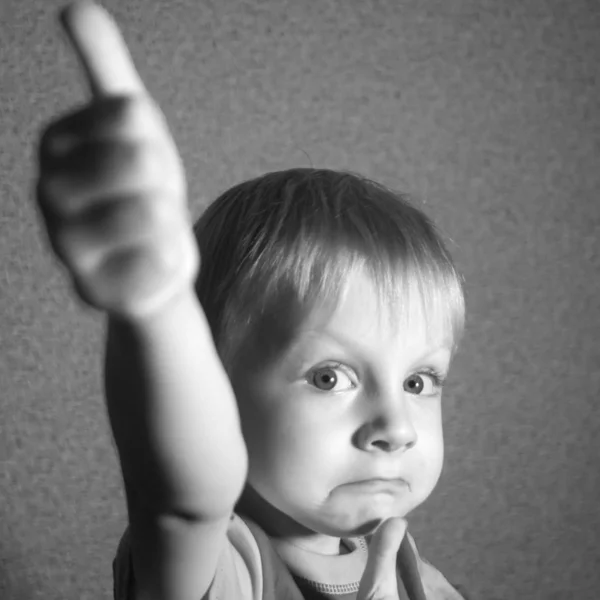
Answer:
(248, 568)
(239, 571)
(435, 585)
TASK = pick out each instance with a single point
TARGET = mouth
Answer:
(376, 485)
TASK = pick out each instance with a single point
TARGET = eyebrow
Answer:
(360, 350)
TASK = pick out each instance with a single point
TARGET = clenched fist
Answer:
(111, 187)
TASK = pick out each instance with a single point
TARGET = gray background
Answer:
(487, 112)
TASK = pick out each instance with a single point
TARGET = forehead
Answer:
(362, 314)
(361, 319)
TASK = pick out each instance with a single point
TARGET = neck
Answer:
(283, 529)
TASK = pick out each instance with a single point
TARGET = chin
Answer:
(358, 524)
(345, 530)
(367, 528)
(364, 528)
(370, 519)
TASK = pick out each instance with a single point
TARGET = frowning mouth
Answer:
(380, 485)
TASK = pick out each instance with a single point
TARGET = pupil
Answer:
(328, 380)
(415, 383)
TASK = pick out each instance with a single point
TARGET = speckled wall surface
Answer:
(486, 111)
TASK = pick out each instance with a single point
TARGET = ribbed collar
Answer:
(326, 570)
(342, 573)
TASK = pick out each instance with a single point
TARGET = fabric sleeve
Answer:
(239, 570)
(435, 585)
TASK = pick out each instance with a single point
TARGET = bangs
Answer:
(410, 287)
(301, 241)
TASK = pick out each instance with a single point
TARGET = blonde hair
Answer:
(273, 247)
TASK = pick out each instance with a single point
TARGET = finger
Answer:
(123, 118)
(104, 170)
(111, 225)
(101, 50)
(379, 580)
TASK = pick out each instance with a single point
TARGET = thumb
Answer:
(101, 50)
(379, 578)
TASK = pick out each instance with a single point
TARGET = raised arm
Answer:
(113, 197)
(184, 462)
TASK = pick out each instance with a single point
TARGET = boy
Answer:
(277, 415)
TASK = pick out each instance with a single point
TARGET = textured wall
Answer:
(485, 111)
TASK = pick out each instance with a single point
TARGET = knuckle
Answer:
(74, 248)
(123, 220)
(113, 164)
(61, 134)
(106, 170)
(61, 196)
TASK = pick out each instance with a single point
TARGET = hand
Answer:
(111, 189)
(379, 578)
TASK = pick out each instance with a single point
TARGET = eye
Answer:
(416, 383)
(326, 378)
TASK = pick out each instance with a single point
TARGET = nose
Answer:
(390, 429)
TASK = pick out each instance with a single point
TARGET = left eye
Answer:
(327, 378)
(415, 383)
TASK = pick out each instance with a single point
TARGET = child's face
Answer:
(313, 428)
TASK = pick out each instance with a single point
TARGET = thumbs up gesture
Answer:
(379, 578)
(111, 188)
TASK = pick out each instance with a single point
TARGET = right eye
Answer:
(327, 377)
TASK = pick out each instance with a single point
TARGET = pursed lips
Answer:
(381, 484)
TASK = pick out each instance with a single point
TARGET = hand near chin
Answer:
(379, 578)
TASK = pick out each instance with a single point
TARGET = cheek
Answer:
(429, 453)
(292, 454)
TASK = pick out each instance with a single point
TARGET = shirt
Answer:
(254, 567)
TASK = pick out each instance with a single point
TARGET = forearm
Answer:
(173, 414)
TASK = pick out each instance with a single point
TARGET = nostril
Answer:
(392, 446)
(382, 444)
